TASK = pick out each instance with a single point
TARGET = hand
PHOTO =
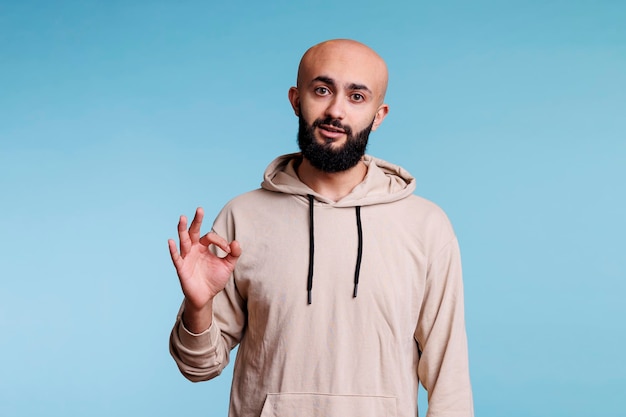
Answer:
(202, 274)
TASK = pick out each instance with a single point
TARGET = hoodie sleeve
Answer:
(203, 356)
(199, 357)
(443, 367)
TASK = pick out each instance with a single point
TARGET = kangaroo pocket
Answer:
(325, 405)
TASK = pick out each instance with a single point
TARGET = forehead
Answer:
(345, 64)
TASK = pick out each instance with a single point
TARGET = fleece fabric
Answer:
(339, 355)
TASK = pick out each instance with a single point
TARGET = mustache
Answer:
(333, 122)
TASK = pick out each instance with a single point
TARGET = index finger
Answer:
(215, 239)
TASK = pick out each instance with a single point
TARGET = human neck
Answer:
(334, 185)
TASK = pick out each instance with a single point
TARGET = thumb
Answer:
(234, 254)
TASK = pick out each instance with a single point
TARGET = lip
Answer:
(332, 132)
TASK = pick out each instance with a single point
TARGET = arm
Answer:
(195, 341)
(443, 366)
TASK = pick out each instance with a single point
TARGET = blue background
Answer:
(118, 116)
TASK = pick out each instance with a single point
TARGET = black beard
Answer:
(323, 156)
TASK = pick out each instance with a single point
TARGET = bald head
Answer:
(361, 62)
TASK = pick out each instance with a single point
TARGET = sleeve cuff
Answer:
(198, 341)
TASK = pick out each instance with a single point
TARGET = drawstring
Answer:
(309, 283)
(357, 270)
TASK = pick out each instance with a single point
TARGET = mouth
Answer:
(330, 131)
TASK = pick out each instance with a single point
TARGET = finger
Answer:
(235, 249)
(183, 237)
(176, 258)
(194, 229)
(234, 254)
(213, 238)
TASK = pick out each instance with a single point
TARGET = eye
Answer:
(357, 97)
(322, 91)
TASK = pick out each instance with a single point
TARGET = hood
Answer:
(383, 183)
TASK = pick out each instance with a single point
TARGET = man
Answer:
(341, 287)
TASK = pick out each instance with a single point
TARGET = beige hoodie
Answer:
(340, 355)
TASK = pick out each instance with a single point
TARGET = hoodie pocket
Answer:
(325, 405)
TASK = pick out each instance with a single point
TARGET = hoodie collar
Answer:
(383, 183)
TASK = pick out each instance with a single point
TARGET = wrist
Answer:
(197, 319)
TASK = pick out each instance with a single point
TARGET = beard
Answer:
(325, 157)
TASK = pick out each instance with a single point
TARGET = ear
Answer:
(381, 113)
(294, 99)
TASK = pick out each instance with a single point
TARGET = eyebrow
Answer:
(352, 86)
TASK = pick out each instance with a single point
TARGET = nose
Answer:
(336, 108)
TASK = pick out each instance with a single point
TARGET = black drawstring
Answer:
(309, 283)
(357, 270)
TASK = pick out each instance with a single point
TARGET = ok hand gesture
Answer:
(202, 274)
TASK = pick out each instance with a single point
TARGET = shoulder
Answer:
(249, 201)
(251, 207)
(422, 221)
(425, 212)
(258, 196)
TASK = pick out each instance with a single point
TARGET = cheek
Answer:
(364, 121)
(309, 112)
(313, 106)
